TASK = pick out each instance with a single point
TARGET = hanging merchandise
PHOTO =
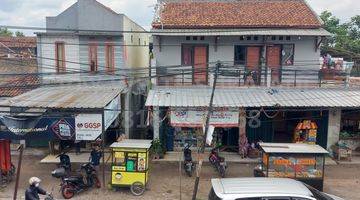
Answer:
(305, 132)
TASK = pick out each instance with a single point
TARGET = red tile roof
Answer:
(238, 14)
(19, 42)
(19, 85)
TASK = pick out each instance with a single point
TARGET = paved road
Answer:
(165, 182)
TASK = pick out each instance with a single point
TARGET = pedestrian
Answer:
(32, 193)
(77, 146)
(95, 156)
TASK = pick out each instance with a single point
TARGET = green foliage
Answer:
(4, 32)
(157, 147)
(19, 34)
(346, 36)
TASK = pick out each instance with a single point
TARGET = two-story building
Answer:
(89, 45)
(262, 46)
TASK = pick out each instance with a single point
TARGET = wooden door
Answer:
(253, 62)
(200, 65)
(273, 61)
(93, 57)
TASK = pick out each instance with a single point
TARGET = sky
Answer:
(33, 12)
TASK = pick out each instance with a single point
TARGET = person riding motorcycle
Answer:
(32, 193)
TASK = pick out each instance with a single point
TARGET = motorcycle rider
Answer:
(32, 193)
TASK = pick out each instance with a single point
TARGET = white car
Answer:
(264, 189)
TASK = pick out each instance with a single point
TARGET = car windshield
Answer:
(317, 194)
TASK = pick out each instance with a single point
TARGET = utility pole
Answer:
(21, 150)
(202, 144)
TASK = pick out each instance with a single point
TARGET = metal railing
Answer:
(241, 76)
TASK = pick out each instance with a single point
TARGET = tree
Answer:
(19, 34)
(5, 32)
(346, 36)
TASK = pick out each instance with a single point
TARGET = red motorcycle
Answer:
(217, 161)
(71, 185)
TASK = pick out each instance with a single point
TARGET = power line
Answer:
(25, 86)
(121, 44)
(149, 68)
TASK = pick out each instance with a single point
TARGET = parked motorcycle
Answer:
(218, 162)
(71, 185)
(64, 162)
(188, 163)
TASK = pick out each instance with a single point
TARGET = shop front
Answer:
(60, 115)
(251, 115)
(288, 126)
(186, 126)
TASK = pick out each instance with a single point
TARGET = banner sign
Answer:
(31, 128)
(194, 118)
(88, 126)
(64, 129)
(112, 111)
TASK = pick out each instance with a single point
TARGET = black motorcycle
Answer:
(188, 163)
(218, 162)
(64, 162)
(70, 185)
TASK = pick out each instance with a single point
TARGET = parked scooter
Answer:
(188, 163)
(71, 185)
(64, 162)
(218, 162)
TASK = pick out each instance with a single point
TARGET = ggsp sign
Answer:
(88, 126)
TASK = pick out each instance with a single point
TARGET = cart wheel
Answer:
(137, 188)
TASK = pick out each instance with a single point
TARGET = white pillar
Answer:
(127, 115)
(333, 127)
(156, 122)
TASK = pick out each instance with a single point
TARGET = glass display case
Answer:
(303, 162)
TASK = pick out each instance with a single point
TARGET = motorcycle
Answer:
(188, 163)
(71, 185)
(218, 162)
(64, 162)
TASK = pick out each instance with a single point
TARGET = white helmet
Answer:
(34, 180)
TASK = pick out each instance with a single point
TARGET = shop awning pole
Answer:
(103, 150)
(203, 142)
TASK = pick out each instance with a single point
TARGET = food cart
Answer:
(7, 169)
(130, 164)
(303, 162)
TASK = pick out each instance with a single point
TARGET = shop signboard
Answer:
(196, 118)
(88, 126)
(112, 110)
(30, 128)
(63, 129)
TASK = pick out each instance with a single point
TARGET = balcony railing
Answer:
(240, 76)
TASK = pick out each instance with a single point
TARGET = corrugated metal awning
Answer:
(255, 97)
(68, 97)
(238, 32)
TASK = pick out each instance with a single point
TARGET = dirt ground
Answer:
(164, 184)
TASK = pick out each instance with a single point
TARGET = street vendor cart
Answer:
(7, 169)
(300, 161)
(130, 165)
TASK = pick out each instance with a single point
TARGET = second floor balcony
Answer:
(230, 75)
